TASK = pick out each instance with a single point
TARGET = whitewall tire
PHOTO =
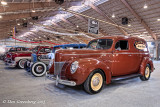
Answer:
(21, 63)
(38, 69)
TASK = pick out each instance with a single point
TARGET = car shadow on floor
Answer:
(78, 91)
(11, 69)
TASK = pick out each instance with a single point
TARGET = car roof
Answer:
(70, 45)
(120, 37)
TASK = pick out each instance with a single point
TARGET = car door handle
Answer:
(129, 55)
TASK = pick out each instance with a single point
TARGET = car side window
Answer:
(18, 49)
(121, 45)
(140, 45)
(47, 50)
(104, 43)
(42, 50)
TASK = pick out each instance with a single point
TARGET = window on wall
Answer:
(121, 45)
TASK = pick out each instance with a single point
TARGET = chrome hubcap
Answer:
(39, 69)
(22, 63)
(95, 81)
(147, 71)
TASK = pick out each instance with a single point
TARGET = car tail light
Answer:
(8, 56)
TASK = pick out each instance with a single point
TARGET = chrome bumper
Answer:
(11, 63)
(60, 81)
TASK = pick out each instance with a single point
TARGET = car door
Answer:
(121, 58)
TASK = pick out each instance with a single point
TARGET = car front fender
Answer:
(88, 65)
(19, 58)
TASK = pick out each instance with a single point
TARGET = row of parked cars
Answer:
(37, 60)
(103, 60)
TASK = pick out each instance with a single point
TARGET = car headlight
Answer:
(74, 67)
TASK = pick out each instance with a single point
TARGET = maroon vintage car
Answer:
(105, 60)
(18, 58)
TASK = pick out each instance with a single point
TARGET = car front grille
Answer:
(58, 67)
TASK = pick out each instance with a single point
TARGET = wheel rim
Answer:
(96, 81)
(22, 63)
(39, 69)
(147, 72)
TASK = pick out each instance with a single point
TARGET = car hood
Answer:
(70, 54)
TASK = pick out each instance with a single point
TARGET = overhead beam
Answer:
(22, 15)
(64, 28)
(55, 24)
(73, 37)
(37, 5)
(140, 19)
(72, 24)
(107, 18)
(25, 6)
(53, 36)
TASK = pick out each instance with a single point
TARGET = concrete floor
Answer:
(20, 89)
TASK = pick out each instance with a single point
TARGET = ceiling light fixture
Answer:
(158, 19)
(77, 26)
(18, 24)
(0, 17)
(33, 11)
(129, 25)
(145, 6)
(113, 16)
(3, 3)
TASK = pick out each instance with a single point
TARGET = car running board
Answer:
(125, 77)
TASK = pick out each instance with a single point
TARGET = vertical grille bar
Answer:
(58, 67)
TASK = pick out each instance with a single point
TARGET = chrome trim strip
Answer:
(107, 53)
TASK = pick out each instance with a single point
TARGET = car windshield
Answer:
(100, 44)
(34, 50)
(12, 50)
